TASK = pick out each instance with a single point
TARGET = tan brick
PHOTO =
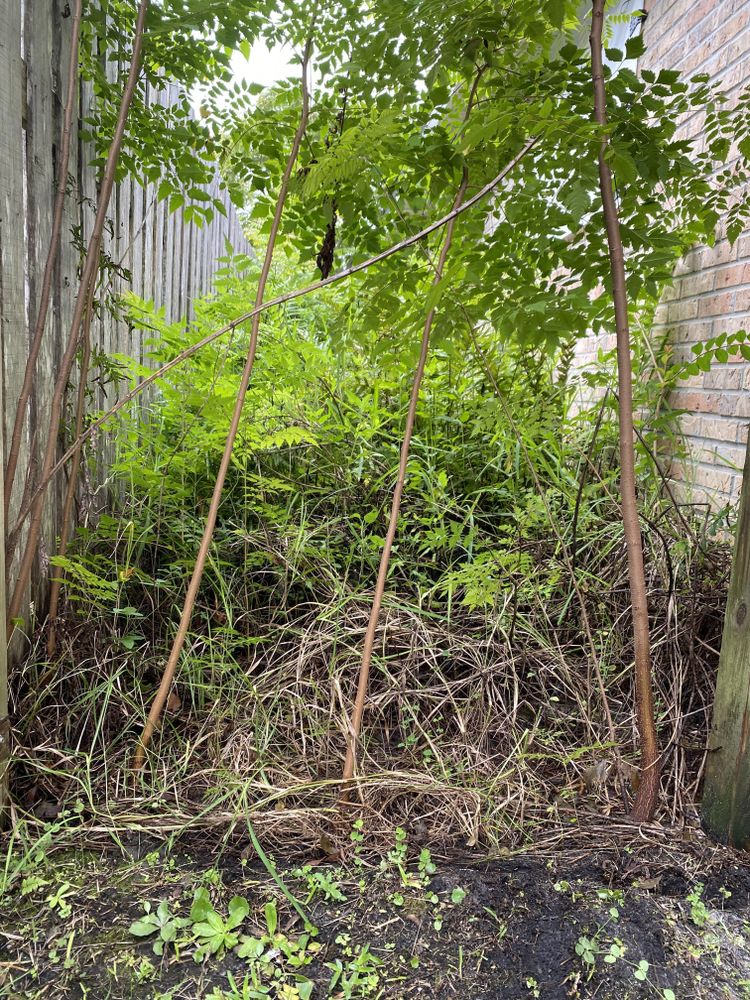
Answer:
(721, 377)
(697, 14)
(723, 456)
(719, 428)
(722, 252)
(731, 324)
(661, 315)
(694, 381)
(730, 30)
(735, 274)
(715, 305)
(697, 284)
(711, 293)
(684, 309)
(690, 425)
(698, 400)
(712, 479)
(695, 332)
(734, 405)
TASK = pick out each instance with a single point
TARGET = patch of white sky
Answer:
(264, 66)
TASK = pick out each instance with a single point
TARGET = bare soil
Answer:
(534, 925)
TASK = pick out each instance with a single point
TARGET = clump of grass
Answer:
(491, 691)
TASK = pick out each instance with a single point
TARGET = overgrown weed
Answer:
(485, 718)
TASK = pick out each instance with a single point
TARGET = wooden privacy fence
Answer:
(169, 261)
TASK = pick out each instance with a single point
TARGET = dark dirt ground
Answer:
(533, 925)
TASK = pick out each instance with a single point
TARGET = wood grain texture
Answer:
(12, 318)
(170, 262)
(726, 795)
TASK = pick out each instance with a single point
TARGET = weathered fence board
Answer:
(13, 323)
(169, 260)
(11, 285)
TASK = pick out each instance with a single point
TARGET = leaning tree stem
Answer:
(648, 788)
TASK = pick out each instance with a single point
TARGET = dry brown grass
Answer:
(480, 730)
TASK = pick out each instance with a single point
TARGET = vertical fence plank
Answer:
(13, 326)
(4, 690)
(69, 254)
(726, 796)
(42, 141)
(172, 262)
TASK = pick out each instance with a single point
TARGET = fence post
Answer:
(726, 795)
(4, 720)
(13, 326)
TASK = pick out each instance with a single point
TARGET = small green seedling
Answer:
(215, 934)
(320, 883)
(698, 910)
(160, 924)
(356, 977)
(641, 970)
(58, 900)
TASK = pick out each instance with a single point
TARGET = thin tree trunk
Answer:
(385, 555)
(87, 280)
(245, 317)
(49, 267)
(398, 490)
(192, 592)
(648, 789)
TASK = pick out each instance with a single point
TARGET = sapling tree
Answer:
(398, 490)
(205, 544)
(648, 788)
(82, 305)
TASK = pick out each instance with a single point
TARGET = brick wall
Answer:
(711, 292)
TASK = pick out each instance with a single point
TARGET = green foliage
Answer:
(274, 959)
(386, 145)
(320, 882)
(216, 934)
(496, 468)
(715, 349)
(698, 910)
(510, 518)
(357, 974)
(159, 924)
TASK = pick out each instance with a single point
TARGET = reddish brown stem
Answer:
(648, 789)
(90, 267)
(195, 580)
(49, 267)
(398, 490)
(385, 555)
(67, 518)
(270, 303)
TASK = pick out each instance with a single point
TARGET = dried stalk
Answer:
(648, 789)
(192, 592)
(49, 267)
(67, 518)
(398, 490)
(90, 268)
